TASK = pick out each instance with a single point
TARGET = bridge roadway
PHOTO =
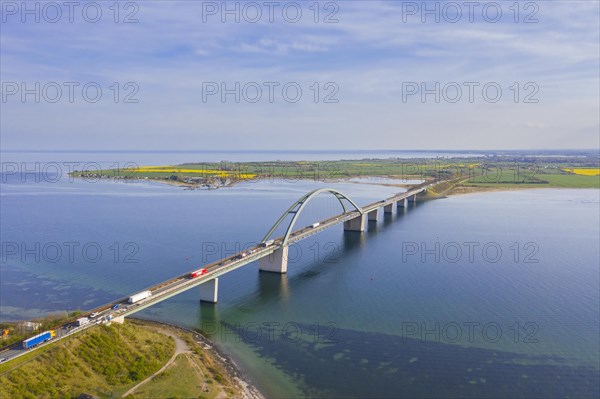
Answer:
(179, 284)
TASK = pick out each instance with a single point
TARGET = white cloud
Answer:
(368, 54)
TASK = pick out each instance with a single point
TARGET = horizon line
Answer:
(20, 150)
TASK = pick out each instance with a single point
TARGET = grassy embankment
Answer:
(106, 361)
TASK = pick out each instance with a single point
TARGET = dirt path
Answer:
(180, 347)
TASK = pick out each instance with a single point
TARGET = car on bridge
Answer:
(198, 273)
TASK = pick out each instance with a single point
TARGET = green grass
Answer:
(572, 181)
(187, 377)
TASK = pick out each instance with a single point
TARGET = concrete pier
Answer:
(401, 203)
(275, 262)
(209, 291)
(373, 215)
(388, 208)
(356, 224)
(412, 198)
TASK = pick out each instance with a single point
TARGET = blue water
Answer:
(371, 315)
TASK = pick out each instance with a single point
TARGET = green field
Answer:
(548, 180)
(573, 181)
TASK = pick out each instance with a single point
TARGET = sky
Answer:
(359, 75)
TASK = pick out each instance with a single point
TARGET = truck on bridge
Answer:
(139, 296)
(38, 339)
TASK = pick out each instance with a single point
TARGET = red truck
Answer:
(198, 273)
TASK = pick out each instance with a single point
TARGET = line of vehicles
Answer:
(45, 336)
(50, 334)
(80, 322)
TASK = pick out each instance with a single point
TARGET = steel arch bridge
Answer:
(353, 218)
(298, 206)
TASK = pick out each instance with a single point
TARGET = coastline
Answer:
(457, 189)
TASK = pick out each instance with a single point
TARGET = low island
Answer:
(468, 174)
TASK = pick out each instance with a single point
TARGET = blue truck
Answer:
(38, 339)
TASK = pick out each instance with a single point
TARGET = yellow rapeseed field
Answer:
(583, 171)
(211, 172)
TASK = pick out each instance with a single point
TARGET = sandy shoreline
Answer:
(246, 386)
(457, 190)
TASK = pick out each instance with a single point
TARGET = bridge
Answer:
(271, 253)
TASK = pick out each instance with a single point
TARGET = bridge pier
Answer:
(412, 198)
(373, 215)
(356, 224)
(401, 203)
(275, 262)
(209, 291)
(389, 209)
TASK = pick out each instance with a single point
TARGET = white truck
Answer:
(82, 321)
(139, 296)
